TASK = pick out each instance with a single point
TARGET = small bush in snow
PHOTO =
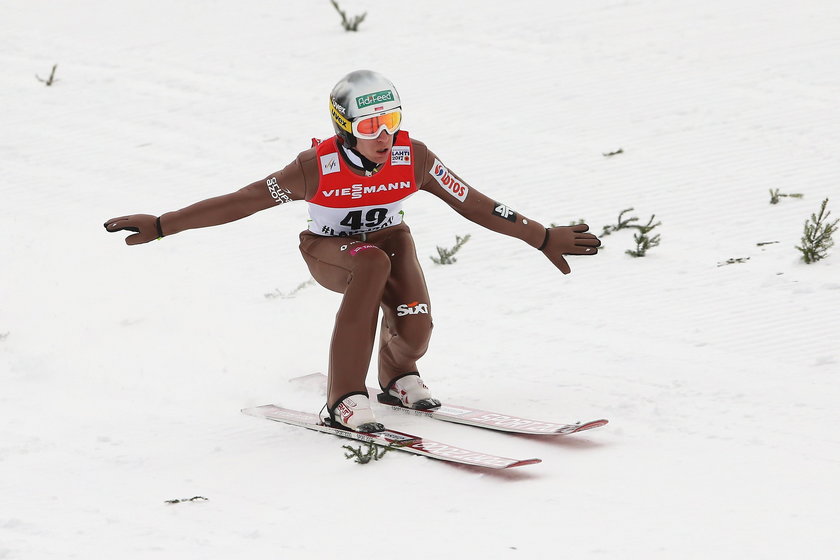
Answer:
(182, 500)
(643, 241)
(816, 239)
(49, 81)
(733, 260)
(364, 456)
(288, 295)
(349, 24)
(572, 223)
(775, 196)
(446, 256)
(623, 223)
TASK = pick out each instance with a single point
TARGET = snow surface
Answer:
(124, 368)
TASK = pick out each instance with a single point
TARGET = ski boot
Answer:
(353, 412)
(409, 391)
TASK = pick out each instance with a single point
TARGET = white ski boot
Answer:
(353, 412)
(408, 391)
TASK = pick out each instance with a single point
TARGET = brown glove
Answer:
(146, 227)
(568, 240)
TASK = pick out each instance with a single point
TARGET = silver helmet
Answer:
(360, 94)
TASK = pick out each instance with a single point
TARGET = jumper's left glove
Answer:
(568, 240)
(145, 227)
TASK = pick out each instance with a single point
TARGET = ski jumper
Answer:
(358, 245)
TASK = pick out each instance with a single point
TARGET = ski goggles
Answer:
(370, 127)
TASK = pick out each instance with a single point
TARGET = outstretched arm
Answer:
(281, 187)
(554, 242)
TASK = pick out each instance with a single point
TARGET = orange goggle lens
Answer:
(370, 127)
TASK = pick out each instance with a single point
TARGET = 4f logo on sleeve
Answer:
(413, 308)
(504, 211)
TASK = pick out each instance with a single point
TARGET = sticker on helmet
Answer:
(383, 96)
(338, 105)
(339, 119)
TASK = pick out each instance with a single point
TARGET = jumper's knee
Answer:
(410, 339)
(370, 266)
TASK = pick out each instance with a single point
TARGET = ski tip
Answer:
(261, 411)
(593, 424)
(524, 462)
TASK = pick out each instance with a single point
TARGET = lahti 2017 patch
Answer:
(503, 211)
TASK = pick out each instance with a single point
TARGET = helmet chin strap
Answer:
(357, 160)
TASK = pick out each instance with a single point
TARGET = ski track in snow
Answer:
(123, 369)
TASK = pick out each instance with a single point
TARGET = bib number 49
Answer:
(372, 218)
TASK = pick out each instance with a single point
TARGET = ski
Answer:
(479, 418)
(494, 420)
(390, 438)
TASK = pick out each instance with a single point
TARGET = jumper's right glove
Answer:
(568, 240)
(145, 226)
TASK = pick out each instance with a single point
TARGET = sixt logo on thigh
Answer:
(413, 308)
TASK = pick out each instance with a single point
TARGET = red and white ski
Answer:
(390, 438)
(483, 418)
(496, 421)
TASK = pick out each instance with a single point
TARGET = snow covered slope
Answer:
(123, 369)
